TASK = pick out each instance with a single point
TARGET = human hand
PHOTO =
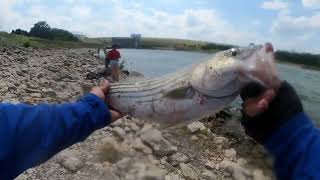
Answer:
(102, 91)
(265, 110)
(256, 99)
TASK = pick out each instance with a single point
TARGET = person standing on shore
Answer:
(114, 56)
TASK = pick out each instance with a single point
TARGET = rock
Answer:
(196, 126)
(153, 174)
(163, 160)
(221, 141)
(4, 88)
(110, 150)
(69, 160)
(73, 164)
(62, 77)
(117, 123)
(126, 129)
(210, 165)
(133, 126)
(53, 69)
(242, 161)
(119, 132)
(35, 95)
(194, 138)
(49, 92)
(230, 154)
(31, 85)
(142, 171)
(124, 164)
(188, 171)
(257, 174)
(237, 172)
(29, 90)
(160, 146)
(138, 145)
(172, 177)
(177, 158)
(11, 87)
(86, 87)
(217, 167)
(109, 175)
(208, 175)
(19, 73)
(40, 75)
(22, 177)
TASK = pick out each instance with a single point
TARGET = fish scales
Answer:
(187, 95)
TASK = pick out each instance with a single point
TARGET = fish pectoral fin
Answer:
(180, 93)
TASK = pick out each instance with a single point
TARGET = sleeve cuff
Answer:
(103, 112)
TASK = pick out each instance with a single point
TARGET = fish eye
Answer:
(234, 52)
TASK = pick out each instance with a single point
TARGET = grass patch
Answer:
(7, 39)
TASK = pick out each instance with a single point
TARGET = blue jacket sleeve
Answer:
(31, 134)
(296, 149)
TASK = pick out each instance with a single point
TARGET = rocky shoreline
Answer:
(213, 148)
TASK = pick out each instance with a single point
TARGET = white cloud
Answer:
(297, 32)
(201, 24)
(313, 4)
(99, 18)
(81, 11)
(286, 23)
(274, 5)
(7, 15)
(124, 19)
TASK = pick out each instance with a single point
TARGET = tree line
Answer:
(42, 30)
(299, 58)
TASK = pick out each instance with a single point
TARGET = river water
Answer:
(153, 63)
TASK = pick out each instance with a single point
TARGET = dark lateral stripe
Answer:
(149, 82)
(141, 95)
(151, 87)
(141, 86)
(148, 101)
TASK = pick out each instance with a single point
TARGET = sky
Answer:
(288, 24)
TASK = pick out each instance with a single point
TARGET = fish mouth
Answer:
(247, 52)
(250, 51)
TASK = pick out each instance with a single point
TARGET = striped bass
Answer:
(190, 94)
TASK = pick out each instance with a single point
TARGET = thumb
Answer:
(105, 86)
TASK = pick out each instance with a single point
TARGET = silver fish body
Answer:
(183, 96)
(170, 99)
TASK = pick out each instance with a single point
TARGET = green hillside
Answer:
(7, 39)
(167, 43)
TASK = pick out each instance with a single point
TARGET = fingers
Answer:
(257, 105)
(98, 92)
(269, 95)
(115, 115)
(105, 86)
(102, 90)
